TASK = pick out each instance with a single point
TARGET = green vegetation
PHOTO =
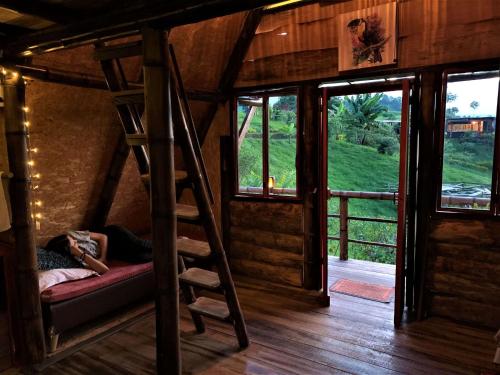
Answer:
(363, 156)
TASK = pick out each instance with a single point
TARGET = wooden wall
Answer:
(267, 241)
(430, 33)
(463, 273)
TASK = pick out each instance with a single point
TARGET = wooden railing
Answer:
(344, 218)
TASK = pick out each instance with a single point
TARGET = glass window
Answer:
(282, 145)
(267, 144)
(250, 141)
(469, 140)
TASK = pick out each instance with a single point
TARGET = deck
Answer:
(290, 335)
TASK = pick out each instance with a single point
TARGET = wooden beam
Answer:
(43, 73)
(246, 125)
(233, 65)
(163, 200)
(31, 349)
(110, 187)
(46, 11)
(128, 21)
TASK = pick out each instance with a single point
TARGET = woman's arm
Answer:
(93, 263)
(102, 241)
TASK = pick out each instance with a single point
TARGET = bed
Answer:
(71, 304)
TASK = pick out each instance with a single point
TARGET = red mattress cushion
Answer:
(118, 271)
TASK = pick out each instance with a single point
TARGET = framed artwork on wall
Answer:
(368, 37)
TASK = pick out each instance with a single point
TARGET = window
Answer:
(470, 104)
(266, 144)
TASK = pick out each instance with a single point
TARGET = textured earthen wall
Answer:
(76, 131)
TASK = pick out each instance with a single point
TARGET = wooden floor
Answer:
(293, 336)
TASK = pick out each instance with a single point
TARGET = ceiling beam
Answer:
(233, 66)
(47, 12)
(127, 21)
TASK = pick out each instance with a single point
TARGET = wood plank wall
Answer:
(267, 241)
(430, 33)
(463, 275)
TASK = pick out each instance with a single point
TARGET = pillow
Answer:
(49, 278)
(49, 260)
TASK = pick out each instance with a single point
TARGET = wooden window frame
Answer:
(265, 195)
(494, 209)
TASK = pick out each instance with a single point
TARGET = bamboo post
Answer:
(163, 200)
(31, 348)
(344, 228)
(308, 114)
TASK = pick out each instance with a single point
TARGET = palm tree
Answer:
(361, 112)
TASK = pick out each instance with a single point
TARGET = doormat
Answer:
(372, 292)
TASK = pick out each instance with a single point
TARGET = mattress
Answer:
(69, 305)
(118, 271)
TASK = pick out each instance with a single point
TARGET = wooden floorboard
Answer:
(290, 335)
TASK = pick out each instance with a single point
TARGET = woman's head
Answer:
(59, 244)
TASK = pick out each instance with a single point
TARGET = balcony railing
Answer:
(344, 218)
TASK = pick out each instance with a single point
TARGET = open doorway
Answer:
(365, 148)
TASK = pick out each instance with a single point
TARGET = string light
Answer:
(36, 202)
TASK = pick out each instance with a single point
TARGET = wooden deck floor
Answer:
(292, 336)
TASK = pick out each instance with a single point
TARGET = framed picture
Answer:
(367, 37)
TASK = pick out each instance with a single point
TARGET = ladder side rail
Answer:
(190, 122)
(205, 210)
(134, 110)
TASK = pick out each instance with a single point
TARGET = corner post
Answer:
(31, 347)
(160, 136)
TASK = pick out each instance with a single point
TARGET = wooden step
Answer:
(187, 213)
(193, 249)
(180, 176)
(118, 51)
(136, 139)
(210, 308)
(200, 278)
(128, 97)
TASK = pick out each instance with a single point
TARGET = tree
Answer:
(474, 104)
(451, 112)
(361, 113)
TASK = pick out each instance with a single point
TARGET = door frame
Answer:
(406, 86)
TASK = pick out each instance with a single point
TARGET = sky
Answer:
(484, 91)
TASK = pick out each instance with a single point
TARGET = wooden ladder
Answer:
(129, 102)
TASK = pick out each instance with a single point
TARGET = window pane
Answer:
(282, 144)
(469, 139)
(249, 115)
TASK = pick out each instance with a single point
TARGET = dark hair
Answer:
(355, 22)
(59, 244)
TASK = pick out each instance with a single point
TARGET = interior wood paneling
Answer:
(267, 241)
(463, 274)
(429, 33)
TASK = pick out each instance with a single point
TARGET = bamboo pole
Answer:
(163, 200)
(31, 348)
(344, 225)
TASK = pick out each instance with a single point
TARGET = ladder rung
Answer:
(186, 212)
(136, 139)
(128, 97)
(180, 176)
(200, 278)
(193, 249)
(210, 308)
(118, 51)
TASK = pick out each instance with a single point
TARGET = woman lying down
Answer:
(84, 249)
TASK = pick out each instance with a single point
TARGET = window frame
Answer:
(494, 208)
(266, 195)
